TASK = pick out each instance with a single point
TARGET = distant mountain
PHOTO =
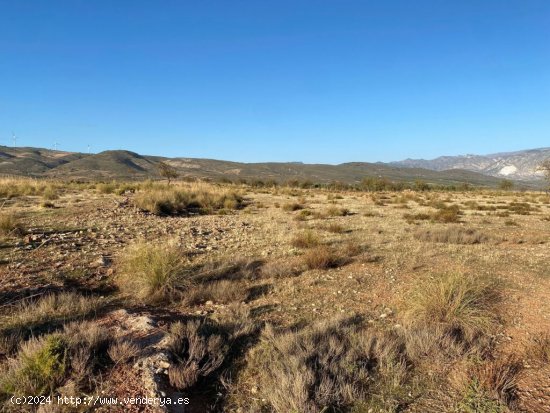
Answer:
(520, 165)
(121, 164)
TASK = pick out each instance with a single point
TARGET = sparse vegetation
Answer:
(323, 257)
(305, 239)
(153, 272)
(47, 313)
(334, 365)
(176, 292)
(452, 235)
(460, 306)
(174, 201)
(9, 224)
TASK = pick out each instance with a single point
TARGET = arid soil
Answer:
(387, 244)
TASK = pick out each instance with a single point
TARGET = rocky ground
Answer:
(76, 244)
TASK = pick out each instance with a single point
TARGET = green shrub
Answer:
(38, 368)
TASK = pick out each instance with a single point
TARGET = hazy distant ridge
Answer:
(519, 165)
(122, 164)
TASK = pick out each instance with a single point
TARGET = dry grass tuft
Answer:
(221, 292)
(305, 239)
(462, 307)
(323, 257)
(292, 206)
(490, 386)
(335, 228)
(334, 211)
(153, 272)
(47, 313)
(10, 224)
(447, 214)
(175, 201)
(452, 235)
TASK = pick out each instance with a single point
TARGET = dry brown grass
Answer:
(10, 224)
(220, 292)
(447, 214)
(292, 206)
(463, 307)
(334, 211)
(46, 313)
(489, 386)
(153, 272)
(452, 235)
(305, 239)
(179, 201)
(324, 257)
(331, 366)
(540, 347)
(335, 228)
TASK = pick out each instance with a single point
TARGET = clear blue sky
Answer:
(315, 81)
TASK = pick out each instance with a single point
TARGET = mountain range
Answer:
(520, 165)
(120, 164)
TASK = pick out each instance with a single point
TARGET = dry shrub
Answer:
(199, 351)
(10, 224)
(337, 212)
(411, 218)
(292, 206)
(452, 235)
(332, 366)
(324, 257)
(459, 307)
(106, 187)
(123, 350)
(174, 201)
(303, 215)
(447, 214)
(153, 272)
(335, 228)
(87, 350)
(200, 347)
(305, 239)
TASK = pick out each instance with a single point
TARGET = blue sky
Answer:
(313, 81)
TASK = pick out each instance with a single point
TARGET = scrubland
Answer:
(275, 299)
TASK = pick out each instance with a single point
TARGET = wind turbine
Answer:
(55, 146)
(14, 138)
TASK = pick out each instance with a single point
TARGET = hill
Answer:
(521, 165)
(122, 164)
